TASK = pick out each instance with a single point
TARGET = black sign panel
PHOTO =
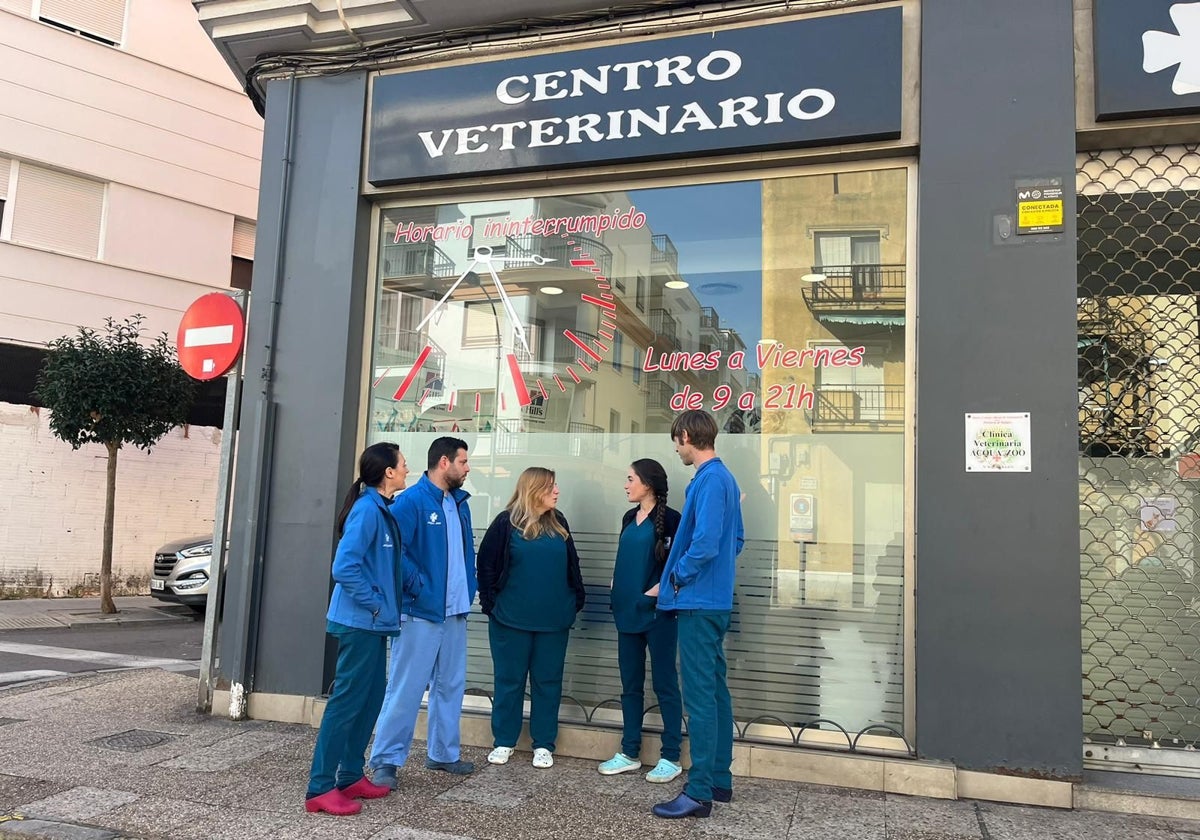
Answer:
(806, 82)
(1147, 58)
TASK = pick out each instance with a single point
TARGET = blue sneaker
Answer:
(619, 763)
(664, 771)
(385, 776)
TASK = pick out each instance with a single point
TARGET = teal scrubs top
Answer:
(536, 596)
(633, 610)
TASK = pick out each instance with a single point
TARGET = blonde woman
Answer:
(530, 588)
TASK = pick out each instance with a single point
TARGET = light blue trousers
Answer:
(426, 654)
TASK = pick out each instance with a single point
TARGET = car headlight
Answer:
(197, 551)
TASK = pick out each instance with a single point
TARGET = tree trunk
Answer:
(110, 496)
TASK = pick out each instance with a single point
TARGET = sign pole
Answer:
(216, 573)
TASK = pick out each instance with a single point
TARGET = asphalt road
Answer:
(37, 654)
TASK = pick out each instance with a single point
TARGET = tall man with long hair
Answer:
(437, 542)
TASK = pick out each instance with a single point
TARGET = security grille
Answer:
(1139, 437)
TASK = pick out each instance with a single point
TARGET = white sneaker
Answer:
(500, 755)
(543, 758)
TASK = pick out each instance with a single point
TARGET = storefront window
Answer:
(779, 305)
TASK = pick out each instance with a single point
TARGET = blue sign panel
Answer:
(801, 83)
(1147, 58)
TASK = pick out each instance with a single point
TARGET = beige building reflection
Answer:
(834, 278)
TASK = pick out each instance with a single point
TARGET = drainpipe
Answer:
(245, 613)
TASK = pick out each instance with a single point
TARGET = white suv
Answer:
(181, 571)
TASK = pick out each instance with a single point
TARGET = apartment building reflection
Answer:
(565, 290)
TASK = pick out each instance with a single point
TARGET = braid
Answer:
(660, 515)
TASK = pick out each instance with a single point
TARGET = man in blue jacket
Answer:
(697, 582)
(436, 540)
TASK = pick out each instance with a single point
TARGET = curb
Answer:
(65, 619)
(143, 615)
(71, 675)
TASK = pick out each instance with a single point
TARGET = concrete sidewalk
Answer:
(125, 755)
(53, 613)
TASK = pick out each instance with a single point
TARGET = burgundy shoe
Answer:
(332, 802)
(364, 788)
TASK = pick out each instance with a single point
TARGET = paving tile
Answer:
(827, 815)
(153, 815)
(230, 752)
(759, 810)
(1011, 822)
(405, 833)
(258, 795)
(16, 791)
(300, 825)
(482, 795)
(915, 818)
(79, 804)
(53, 830)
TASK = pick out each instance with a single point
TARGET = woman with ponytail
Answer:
(646, 534)
(363, 613)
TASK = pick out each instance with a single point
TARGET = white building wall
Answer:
(51, 533)
(162, 123)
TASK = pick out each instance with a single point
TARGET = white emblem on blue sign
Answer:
(1161, 50)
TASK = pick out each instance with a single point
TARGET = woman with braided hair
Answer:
(646, 534)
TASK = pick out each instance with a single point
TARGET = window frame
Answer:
(620, 177)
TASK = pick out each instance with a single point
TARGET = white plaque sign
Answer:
(998, 442)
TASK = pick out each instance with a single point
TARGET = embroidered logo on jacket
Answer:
(387, 541)
(433, 519)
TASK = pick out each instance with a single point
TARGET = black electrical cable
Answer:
(648, 14)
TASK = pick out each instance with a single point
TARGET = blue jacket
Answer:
(702, 561)
(365, 566)
(418, 510)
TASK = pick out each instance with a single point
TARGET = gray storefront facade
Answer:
(870, 237)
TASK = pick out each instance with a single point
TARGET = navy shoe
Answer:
(721, 794)
(385, 776)
(682, 806)
(458, 768)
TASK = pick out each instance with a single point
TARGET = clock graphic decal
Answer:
(589, 356)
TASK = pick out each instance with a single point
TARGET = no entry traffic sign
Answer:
(210, 336)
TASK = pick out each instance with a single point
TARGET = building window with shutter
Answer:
(6, 166)
(243, 239)
(242, 250)
(481, 327)
(99, 20)
(57, 211)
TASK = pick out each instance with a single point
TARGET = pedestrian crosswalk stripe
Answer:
(10, 677)
(95, 657)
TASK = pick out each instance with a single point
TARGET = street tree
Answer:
(112, 388)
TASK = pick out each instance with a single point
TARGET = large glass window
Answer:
(777, 304)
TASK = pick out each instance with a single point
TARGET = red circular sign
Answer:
(210, 336)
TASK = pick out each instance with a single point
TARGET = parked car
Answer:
(181, 570)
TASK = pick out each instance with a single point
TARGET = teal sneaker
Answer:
(620, 763)
(663, 772)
